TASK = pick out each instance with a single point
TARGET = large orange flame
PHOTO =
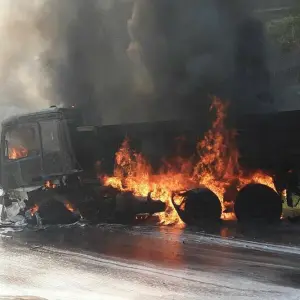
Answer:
(216, 167)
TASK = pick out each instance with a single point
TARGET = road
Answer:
(151, 262)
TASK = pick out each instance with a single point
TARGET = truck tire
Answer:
(258, 202)
(200, 205)
(54, 212)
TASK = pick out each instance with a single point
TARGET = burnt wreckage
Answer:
(50, 164)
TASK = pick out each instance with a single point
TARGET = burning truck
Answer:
(47, 158)
(57, 169)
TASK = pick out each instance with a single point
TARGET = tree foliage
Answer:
(286, 31)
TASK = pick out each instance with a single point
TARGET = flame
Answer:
(16, 153)
(133, 173)
(34, 209)
(69, 206)
(215, 166)
(50, 185)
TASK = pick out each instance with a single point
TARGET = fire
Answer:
(69, 206)
(16, 153)
(34, 209)
(50, 185)
(133, 173)
(216, 167)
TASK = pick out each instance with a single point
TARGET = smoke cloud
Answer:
(24, 85)
(128, 61)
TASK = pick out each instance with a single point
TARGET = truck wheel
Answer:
(201, 205)
(54, 212)
(258, 202)
(125, 213)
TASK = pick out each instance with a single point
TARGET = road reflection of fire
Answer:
(168, 252)
(164, 247)
(216, 167)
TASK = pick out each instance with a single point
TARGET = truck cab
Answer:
(51, 157)
(36, 147)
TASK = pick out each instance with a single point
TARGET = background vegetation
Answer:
(286, 30)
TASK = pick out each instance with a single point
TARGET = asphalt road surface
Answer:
(149, 262)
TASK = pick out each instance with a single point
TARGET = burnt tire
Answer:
(258, 202)
(54, 212)
(125, 213)
(201, 205)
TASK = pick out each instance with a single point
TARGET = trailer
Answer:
(51, 161)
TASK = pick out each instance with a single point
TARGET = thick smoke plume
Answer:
(24, 84)
(123, 61)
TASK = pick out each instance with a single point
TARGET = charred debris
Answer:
(166, 158)
(55, 169)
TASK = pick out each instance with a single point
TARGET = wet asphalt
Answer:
(80, 261)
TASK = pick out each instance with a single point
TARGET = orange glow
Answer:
(229, 216)
(216, 167)
(34, 209)
(133, 173)
(69, 206)
(16, 153)
(284, 194)
(50, 185)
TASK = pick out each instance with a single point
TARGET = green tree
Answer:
(286, 31)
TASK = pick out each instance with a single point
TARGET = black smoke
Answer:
(124, 61)
(201, 49)
(87, 58)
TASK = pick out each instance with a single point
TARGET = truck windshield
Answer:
(22, 142)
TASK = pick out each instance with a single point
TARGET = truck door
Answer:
(58, 158)
(22, 156)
